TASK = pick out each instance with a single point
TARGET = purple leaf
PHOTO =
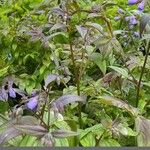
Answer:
(59, 104)
(50, 78)
(35, 130)
(63, 133)
(9, 134)
(59, 11)
(48, 140)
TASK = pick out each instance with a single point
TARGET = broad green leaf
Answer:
(88, 140)
(3, 107)
(63, 142)
(141, 105)
(126, 131)
(98, 60)
(120, 70)
(109, 143)
(28, 141)
(4, 71)
(117, 46)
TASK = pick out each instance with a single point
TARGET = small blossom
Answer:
(133, 20)
(127, 18)
(132, 2)
(117, 18)
(120, 11)
(136, 34)
(3, 94)
(33, 102)
(141, 6)
(131, 26)
(12, 93)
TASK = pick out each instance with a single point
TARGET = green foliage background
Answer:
(89, 50)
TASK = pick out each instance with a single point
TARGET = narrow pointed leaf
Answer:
(35, 130)
(9, 134)
(66, 99)
(63, 133)
(108, 100)
(143, 128)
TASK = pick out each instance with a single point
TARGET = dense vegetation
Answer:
(74, 73)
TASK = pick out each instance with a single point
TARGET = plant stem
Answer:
(142, 73)
(77, 79)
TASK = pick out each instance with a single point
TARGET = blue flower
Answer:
(117, 18)
(33, 102)
(132, 20)
(136, 34)
(141, 6)
(3, 94)
(132, 2)
(12, 93)
(120, 11)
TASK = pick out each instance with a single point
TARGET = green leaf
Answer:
(28, 141)
(109, 143)
(4, 71)
(126, 131)
(88, 140)
(117, 46)
(98, 60)
(109, 100)
(61, 142)
(3, 107)
(121, 71)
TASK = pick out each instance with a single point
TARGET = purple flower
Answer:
(117, 18)
(12, 93)
(33, 102)
(136, 34)
(141, 6)
(3, 94)
(132, 2)
(133, 20)
(120, 11)
(127, 18)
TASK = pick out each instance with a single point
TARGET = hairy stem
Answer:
(142, 73)
(77, 79)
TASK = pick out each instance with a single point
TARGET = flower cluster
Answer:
(140, 3)
(7, 90)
